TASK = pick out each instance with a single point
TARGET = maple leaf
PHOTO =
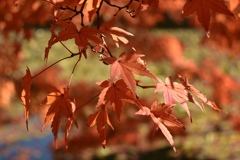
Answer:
(25, 94)
(202, 9)
(116, 33)
(125, 66)
(115, 94)
(198, 94)
(161, 115)
(164, 112)
(60, 105)
(82, 37)
(100, 119)
(173, 91)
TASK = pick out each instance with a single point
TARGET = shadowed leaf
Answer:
(25, 94)
(60, 105)
(202, 9)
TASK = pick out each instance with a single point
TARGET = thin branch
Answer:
(73, 10)
(145, 87)
(119, 7)
(72, 55)
(98, 13)
(81, 12)
(78, 107)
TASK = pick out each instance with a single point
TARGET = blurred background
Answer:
(172, 46)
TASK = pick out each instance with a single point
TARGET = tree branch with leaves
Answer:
(92, 34)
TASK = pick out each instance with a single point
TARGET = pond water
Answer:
(18, 144)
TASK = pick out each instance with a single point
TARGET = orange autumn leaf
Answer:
(82, 37)
(164, 112)
(202, 9)
(161, 115)
(198, 94)
(115, 94)
(100, 119)
(25, 94)
(173, 91)
(116, 33)
(125, 66)
(60, 105)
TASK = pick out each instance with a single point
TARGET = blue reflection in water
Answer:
(18, 144)
(32, 149)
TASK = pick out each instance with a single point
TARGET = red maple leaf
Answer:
(60, 105)
(161, 115)
(82, 37)
(116, 33)
(198, 94)
(115, 94)
(164, 112)
(202, 9)
(25, 94)
(100, 119)
(173, 91)
(125, 66)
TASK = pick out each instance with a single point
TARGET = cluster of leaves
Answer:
(92, 34)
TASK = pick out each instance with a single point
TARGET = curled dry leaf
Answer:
(69, 124)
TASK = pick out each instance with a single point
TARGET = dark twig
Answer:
(81, 12)
(72, 55)
(78, 107)
(119, 7)
(145, 87)
(98, 13)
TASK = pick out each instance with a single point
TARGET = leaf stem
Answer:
(70, 80)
